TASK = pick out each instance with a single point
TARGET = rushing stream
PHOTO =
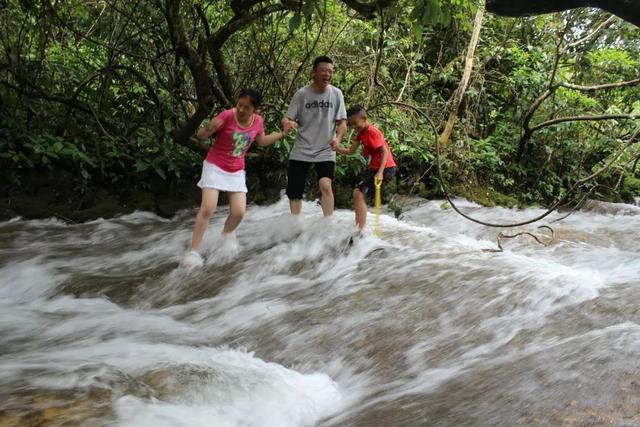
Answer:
(420, 327)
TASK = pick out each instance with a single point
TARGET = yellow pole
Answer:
(378, 202)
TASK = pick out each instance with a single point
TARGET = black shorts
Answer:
(297, 175)
(367, 185)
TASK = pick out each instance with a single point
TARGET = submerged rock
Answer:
(606, 208)
(57, 409)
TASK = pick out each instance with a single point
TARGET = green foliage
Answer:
(21, 152)
(630, 188)
(95, 88)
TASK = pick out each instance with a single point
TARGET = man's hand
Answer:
(335, 144)
(288, 126)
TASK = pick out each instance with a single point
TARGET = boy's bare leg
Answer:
(207, 208)
(327, 196)
(237, 209)
(360, 207)
(296, 206)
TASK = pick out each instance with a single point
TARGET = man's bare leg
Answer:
(327, 196)
(295, 205)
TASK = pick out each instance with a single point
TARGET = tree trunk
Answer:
(464, 82)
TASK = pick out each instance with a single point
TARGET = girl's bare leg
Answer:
(237, 209)
(207, 209)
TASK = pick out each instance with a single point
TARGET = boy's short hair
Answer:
(357, 110)
(321, 59)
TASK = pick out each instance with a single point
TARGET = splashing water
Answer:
(288, 325)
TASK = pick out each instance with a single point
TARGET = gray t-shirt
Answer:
(316, 114)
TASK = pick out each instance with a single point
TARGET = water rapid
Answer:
(288, 325)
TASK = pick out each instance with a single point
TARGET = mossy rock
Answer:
(486, 196)
(629, 189)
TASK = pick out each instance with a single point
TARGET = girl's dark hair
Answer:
(254, 95)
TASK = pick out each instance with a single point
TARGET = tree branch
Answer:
(64, 24)
(591, 35)
(584, 118)
(308, 52)
(78, 105)
(368, 10)
(217, 40)
(633, 82)
(552, 86)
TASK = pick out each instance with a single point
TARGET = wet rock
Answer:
(178, 380)
(606, 208)
(168, 206)
(405, 203)
(139, 200)
(103, 208)
(58, 408)
(33, 206)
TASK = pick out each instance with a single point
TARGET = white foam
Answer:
(247, 392)
(300, 297)
(27, 280)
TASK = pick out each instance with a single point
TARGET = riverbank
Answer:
(102, 202)
(62, 199)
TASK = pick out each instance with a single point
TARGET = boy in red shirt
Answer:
(382, 167)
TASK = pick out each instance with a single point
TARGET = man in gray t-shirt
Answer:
(319, 113)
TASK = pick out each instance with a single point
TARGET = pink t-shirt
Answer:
(232, 141)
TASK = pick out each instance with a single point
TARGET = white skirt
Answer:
(220, 179)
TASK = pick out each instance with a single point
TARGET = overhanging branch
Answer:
(585, 118)
(602, 86)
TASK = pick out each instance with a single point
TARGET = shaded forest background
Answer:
(98, 98)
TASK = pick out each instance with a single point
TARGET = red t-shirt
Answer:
(372, 139)
(232, 141)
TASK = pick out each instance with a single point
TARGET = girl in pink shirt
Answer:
(223, 168)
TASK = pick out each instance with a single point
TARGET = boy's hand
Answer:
(379, 176)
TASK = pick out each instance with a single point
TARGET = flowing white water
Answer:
(289, 326)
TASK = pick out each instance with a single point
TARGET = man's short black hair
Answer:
(320, 59)
(254, 95)
(356, 110)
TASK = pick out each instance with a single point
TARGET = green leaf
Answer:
(141, 166)
(295, 22)
(159, 171)
(307, 10)
(431, 13)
